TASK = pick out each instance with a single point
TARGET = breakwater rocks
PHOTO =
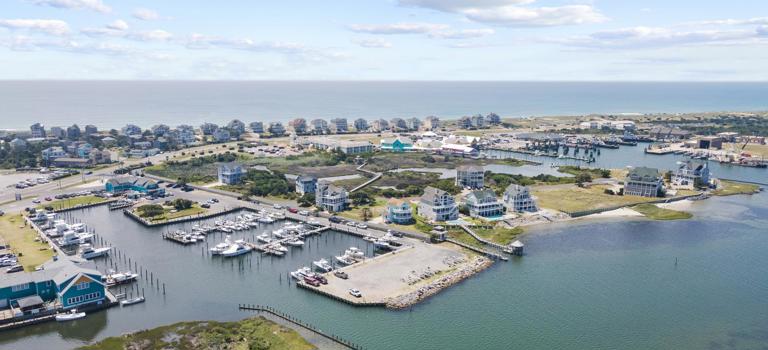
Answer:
(442, 282)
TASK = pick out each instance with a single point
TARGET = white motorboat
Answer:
(88, 252)
(295, 242)
(345, 260)
(221, 247)
(237, 248)
(266, 220)
(370, 238)
(120, 278)
(263, 238)
(355, 253)
(70, 316)
(323, 265)
(133, 301)
(301, 273)
(279, 233)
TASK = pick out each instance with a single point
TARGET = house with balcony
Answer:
(437, 205)
(644, 182)
(231, 173)
(483, 204)
(518, 198)
(471, 176)
(691, 175)
(306, 184)
(330, 197)
(399, 212)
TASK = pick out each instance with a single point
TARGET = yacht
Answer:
(221, 247)
(266, 220)
(344, 259)
(133, 301)
(264, 238)
(294, 242)
(301, 273)
(238, 248)
(278, 247)
(323, 265)
(279, 233)
(88, 252)
(120, 278)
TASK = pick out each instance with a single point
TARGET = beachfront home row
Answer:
(644, 182)
(471, 176)
(126, 183)
(518, 199)
(60, 282)
(399, 212)
(330, 197)
(437, 205)
(483, 204)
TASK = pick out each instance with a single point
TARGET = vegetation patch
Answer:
(574, 199)
(72, 202)
(253, 333)
(175, 209)
(729, 188)
(652, 211)
(21, 238)
(500, 235)
(196, 170)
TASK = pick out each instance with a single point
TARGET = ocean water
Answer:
(112, 104)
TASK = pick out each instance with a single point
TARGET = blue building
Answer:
(396, 145)
(60, 285)
(306, 184)
(133, 183)
(231, 173)
(399, 212)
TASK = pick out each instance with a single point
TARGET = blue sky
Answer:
(385, 40)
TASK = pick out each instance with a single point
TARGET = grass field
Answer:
(732, 187)
(651, 211)
(757, 150)
(252, 333)
(499, 235)
(168, 215)
(573, 198)
(21, 238)
(72, 202)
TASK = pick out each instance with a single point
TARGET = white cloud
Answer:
(151, 35)
(293, 51)
(731, 22)
(49, 26)
(145, 14)
(374, 43)
(95, 5)
(516, 16)
(397, 28)
(23, 43)
(462, 34)
(458, 5)
(118, 25)
(646, 37)
(511, 12)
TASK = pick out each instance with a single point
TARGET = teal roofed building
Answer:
(399, 212)
(60, 285)
(396, 145)
(132, 183)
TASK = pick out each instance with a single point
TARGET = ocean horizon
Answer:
(113, 103)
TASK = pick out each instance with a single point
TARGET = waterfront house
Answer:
(73, 132)
(471, 176)
(257, 127)
(396, 145)
(484, 204)
(330, 197)
(37, 130)
(360, 124)
(130, 129)
(276, 129)
(126, 183)
(306, 184)
(398, 124)
(459, 150)
(379, 125)
(318, 126)
(431, 123)
(691, 175)
(339, 125)
(413, 123)
(298, 125)
(60, 282)
(208, 128)
(645, 182)
(437, 205)
(58, 132)
(160, 129)
(464, 123)
(221, 135)
(493, 119)
(231, 173)
(91, 129)
(185, 134)
(478, 121)
(399, 212)
(18, 144)
(236, 127)
(51, 153)
(518, 198)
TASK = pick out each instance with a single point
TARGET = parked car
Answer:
(206, 206)
(362, 225)
(311, 281)
(293, 210)
(303, 212)
(355, 293)
(351, 223)
(15, 268)
(48, 199)
(334, 219)
(341, 274)
(277, 206)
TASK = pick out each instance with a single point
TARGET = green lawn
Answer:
(168, 215)
(652, 211)
(732, 187)
(573, 198)
(72, 202)
(499, 235)
(251, 333)
(21, 238)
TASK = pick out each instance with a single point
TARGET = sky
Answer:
(520, 40)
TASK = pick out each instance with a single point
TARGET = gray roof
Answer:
(644, 174)
(306, 178)
(53, 270)
(431, 193)
(470, 168)
(480, 196)
(513, 189)
(32, 300)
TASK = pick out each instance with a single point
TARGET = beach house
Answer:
(645, 182)
(306, 184)
(484, 204)
(471, 176)
(397, 144)
(399, 212)
(437, 205)
(231, 173)
(329, 197)
(691, 175)
(518, 198)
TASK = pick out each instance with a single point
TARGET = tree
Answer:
(307, 200)
(181, 203)
(583, 177)
(361, 198)
(150, 210)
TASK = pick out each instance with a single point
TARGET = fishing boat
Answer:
(113, 278)
(266, 220)
(294, 242)
(279, 233)
(301, 273)
(278, 247)
(133, 301)
(70, 316)
(88, 252)
(323, 265)
(263, 238)
(221, 247)
(344, 259)
(237, 248)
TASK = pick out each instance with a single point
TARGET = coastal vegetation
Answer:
(72, 202)
(498, 234)
(732, 187)
(384, 161)
(653, 212)
(500, 182)
(577, 170)
(253, 334)
(571, 199)
(169, 210)
(23, 241)
(263, 183)
(196, 170)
